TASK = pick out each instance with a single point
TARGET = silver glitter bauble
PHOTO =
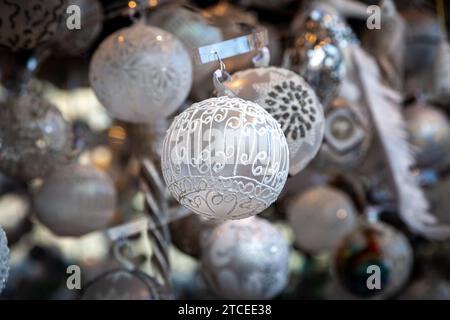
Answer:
(429, 133)
(315, 53)
(225, 158)
(320, 218)
(75, 200)
(324, 24)
(376, 245)
(194, 30)
(292, 102)
(78, 41)
(347, 139)
(27, 24)
(246, 259)
(141, 74)
(125, 285)
(34, 137)
(4, 260)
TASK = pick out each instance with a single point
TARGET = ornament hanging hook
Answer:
(220, 76)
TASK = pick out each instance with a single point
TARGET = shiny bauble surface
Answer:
(225, 158)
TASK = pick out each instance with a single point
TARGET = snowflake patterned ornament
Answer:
(225, 158)
(141, 74)
(292, 102)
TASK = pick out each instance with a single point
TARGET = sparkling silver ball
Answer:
(320, 63)
(27, 24)
(75, 199)
(225, 158)
(78, 41)
(4, 260)
(141, 74)
(291, 101)
(34, 137)
(125, 285)
(320, 218)
(380, 247)
(429, 133)
(324, 24)
(246, 259)
(347, 139)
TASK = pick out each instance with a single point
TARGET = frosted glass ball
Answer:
(246, 259)
(141, 74)
(292, 102)
(225, 158)
(27, 24)
(320, 218)
(4, 260)
(75, 200)
(34, 137)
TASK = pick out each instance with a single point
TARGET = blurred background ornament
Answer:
(225, 158)
(75, 200)
(438, 195)
(292, 102)
(428, 287)
(440, 90)
(78, 41)
(27, 24)
(4, 260)
(319, 61)
(377, 244)
(189, 233)
(34, 137)
(194, 31)
(347, 137)
(141, 74)
(246, 259)
(125, 285)
(320, 218)
(429, 133)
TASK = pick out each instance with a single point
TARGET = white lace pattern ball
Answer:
(225, 158)
(292, 102)
(141, 74)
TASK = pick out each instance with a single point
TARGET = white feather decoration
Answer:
(383, 104)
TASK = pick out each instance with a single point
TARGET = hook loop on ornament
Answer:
(219, 77)
(262, 59)
(120, 250)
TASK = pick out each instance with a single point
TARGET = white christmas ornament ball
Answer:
(4, 260)
(75, 200)
(292, 102)
(141, 74)
(246, 259)
(225, 158)
(320, 218)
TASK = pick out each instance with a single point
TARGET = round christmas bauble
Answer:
(75, 200)
(246, 259)
(4, 260)
(27, 24)
(188, 233)
(373, 248)
(320, 218)
(292, 102)
(77, 41)
(34, 137)
(347, 138)
(429, 133)
(141, 74)
(125, 285)
(225, 158)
